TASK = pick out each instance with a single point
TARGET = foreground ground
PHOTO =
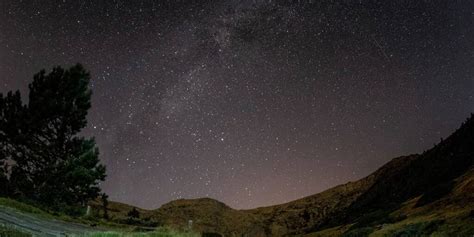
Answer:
(38, 224)
(22, 220)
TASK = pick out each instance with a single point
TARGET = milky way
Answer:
(253, 103)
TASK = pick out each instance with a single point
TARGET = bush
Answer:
(209, 234)
(133, 213)
(435, 193)
(418, 229)
(365, 231)
(377, 218)
(138, 222)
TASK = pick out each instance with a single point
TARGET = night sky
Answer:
(252, 103)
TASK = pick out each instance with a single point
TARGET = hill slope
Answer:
(428, 192)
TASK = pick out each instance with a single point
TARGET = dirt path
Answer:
(39, 226)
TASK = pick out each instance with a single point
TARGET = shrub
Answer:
(365, 231)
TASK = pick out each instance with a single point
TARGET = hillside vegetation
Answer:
(431, 193)
(428, 193)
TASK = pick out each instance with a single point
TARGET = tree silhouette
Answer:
(3, 165)
(105, 203)
(52, 164)
(11, 135)
(134, 213)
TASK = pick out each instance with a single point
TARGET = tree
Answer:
(105, 205)
(4, 183)
(133, 213)
(53, 165)
(12, 134)
(3, 165)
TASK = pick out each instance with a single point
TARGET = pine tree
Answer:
(53, 165)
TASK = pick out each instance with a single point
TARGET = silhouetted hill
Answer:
(206, 215)
(432, 192)
(430, 174)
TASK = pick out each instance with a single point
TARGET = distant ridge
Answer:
(426, 193)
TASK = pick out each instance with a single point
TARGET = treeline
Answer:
(42, 156)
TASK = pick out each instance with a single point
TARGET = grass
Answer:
(119, 230)
(439, 223)
(30, 209)
(161, 232)
(330, 232)
(151, 234)
(445, 222)
(6, 231)
(23, 207)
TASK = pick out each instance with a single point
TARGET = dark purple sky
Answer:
(250, 102)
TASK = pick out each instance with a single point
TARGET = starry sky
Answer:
(255, 102)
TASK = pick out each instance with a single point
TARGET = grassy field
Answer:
(31, 209)
(11, 232)
(116, 230)
(27, 208)
(23, 207)
(440, 223)
(157, 233)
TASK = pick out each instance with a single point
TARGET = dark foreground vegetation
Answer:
(43, 160)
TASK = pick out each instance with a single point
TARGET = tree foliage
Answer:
(50, 162)
(105, 205)
(12, 113)
(133, 213)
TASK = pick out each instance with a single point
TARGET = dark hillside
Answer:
(430, 174)
(428, 191)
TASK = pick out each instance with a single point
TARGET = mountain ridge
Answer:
(434, 180)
